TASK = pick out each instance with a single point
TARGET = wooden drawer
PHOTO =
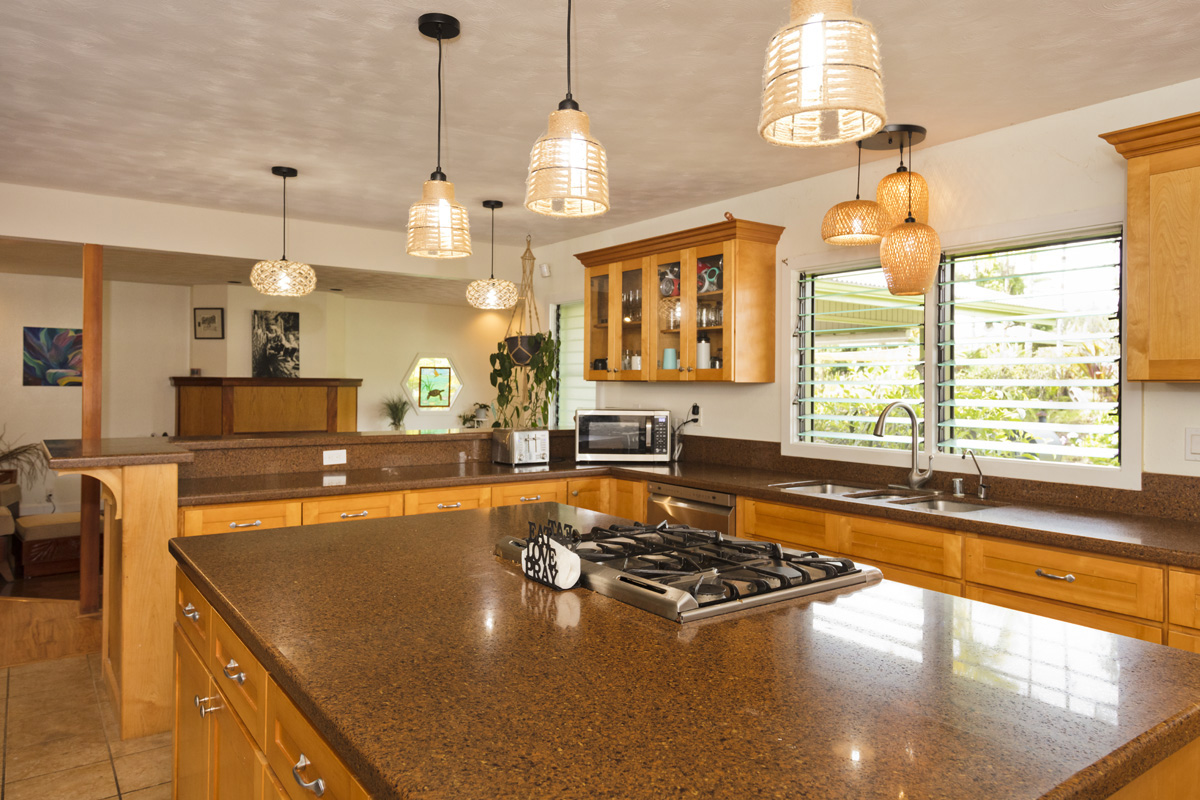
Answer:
(1101, 583)
(1184, 599)
(874, 540)
(1184, 641)
(1078, 616)
(429, 501)
(590, 493)
(240, 678)
(192, 612)
(239, 516)
(921, 580)
(515, 494)
(790, 525)
(351, 507)
(290, 736)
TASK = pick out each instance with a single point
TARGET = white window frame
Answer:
(1127, 476)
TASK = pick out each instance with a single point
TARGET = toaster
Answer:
(520, 446)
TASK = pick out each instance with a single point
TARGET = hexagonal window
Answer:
(433, 383)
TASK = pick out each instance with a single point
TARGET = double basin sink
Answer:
(913, 499)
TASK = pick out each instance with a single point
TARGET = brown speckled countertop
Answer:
(465, 680)
(84, 454)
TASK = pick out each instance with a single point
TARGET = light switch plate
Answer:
(334, 457)
(1191, 444)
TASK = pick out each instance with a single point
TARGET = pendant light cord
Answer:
(858, 181)
(439, 111)
(569, 50)
(493, 244)
(910, 216)
(284, 258)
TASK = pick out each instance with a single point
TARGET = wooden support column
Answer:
(93, 381)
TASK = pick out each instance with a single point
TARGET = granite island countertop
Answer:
(448, 674)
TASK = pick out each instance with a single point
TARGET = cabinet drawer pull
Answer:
(202, 703)
(191, 613)
(238, 676)
(535, 498)
(352, 516)
(575, 493)
(254, 524)
(1069, 578)
(316, 786)
(450, 505)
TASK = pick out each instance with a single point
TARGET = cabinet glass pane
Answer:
(598, 335)
(631, 319)
(710, 312)
(670, 316)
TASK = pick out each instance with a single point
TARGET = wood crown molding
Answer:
(1156, 137)
(741, 229)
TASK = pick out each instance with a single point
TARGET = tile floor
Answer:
(59, 738)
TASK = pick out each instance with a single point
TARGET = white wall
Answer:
(1043, 177)
(146, 331)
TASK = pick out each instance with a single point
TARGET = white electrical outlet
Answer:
(697, 415)
(334, 457)
(1191, 444)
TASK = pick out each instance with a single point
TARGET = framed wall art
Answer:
(275, 344)
(52, 357)
(208, 323)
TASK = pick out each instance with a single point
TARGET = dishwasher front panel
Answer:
(678, 505)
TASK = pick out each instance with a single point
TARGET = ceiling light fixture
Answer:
(493, 293)
(438, 225)
(822, 83)
(904, 192)
(568, 169)
(283, 278)
(857, 221)
(910, 251)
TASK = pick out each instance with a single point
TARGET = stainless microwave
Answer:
(615, 434)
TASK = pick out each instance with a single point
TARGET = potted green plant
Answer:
(524, 393)
(395, 408)
(16, 459)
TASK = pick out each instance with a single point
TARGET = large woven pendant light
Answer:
(823, 82)
(568, 169)
(903, 193)
(857, 221)
(437, 225)
(493, 293)
(909, 255)
(283, 278)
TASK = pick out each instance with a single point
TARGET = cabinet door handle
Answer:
(534, 498)
(254, 524)
(1069, 578)
(202, 703)
(575, 493)
(352, 516)
(191, 613)
(689, 369)
(316, 786)
(239, 677)
(450, 505)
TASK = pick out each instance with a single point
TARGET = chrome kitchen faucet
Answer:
(916, 477)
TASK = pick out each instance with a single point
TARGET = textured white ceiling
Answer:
(191, 102)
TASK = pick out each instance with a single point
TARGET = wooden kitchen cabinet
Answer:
(913, 547)
(451, 498)
(344, 508)
(1162, 248)
(590, 493)
(790, 525)
(628, 499)
(198, 520)
(515, 494)
(713, 284)
(293, 744)
(1064, 613)
(613, 321)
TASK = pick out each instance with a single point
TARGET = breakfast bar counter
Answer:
(435, 670)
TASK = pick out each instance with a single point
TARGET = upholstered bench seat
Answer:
(7, 526)
(47, 544)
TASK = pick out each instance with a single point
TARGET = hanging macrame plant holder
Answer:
(521, 336)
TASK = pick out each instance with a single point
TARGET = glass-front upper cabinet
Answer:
(631, 338)
(616, 344)
(671, 339)
(710, 313)
(596, 318)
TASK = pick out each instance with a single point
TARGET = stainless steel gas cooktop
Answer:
(685, 574)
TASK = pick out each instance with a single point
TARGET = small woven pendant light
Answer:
(568, 169)
(909, 255)
(857, 221)
(493, 293)
(283, 278)
(904, 193)
(823, 82)
(437, 225)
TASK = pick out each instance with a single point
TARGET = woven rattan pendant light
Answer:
(903, 193)
(823, 82)
(283, 278)
(493, 293)
(568, 169)
(857, 221)
(438, 225)
(909, 255)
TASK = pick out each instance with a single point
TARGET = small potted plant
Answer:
(395, 408)
(24, 458)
